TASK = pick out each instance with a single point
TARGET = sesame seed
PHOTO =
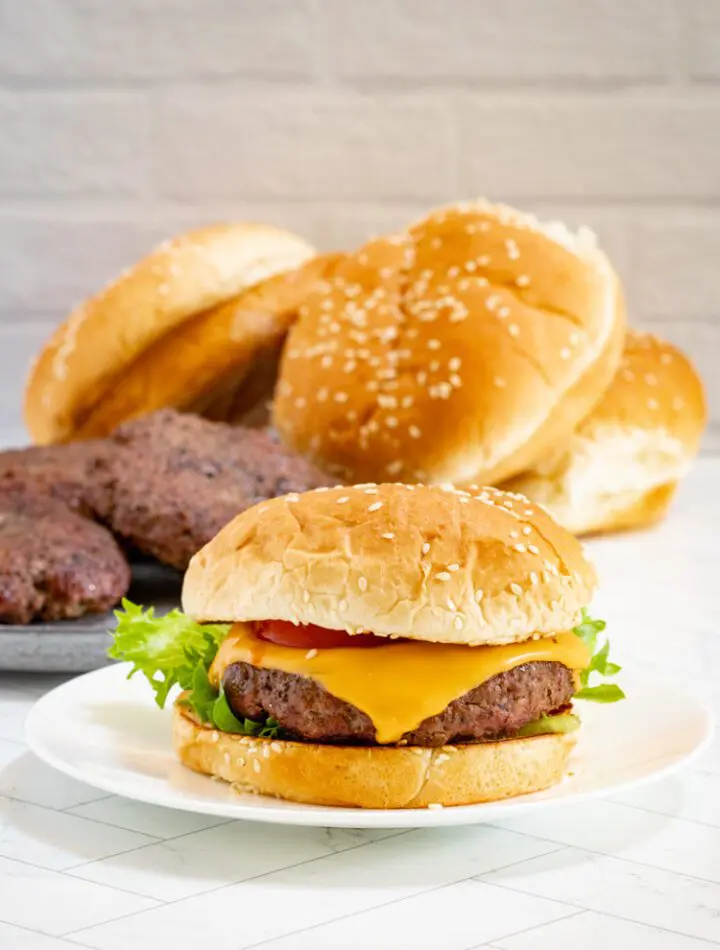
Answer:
(533, 549)
(435, 806)
(521, 548)
(326, 361)
(666, 358)
(453, 567)
(343, 500)
(442, 576)
(433, 344)
(394, 467)
(435, 243)
(653, 404)
(256, 765)
(503, 312)
(565, 353)
(388, 535)
(499, 382)
(425, 548)
(391, 422)
(516, 589)
(458, 623)
(522, 281)
(362, 584)
(454, 364)
(514, 329)
(533, 577)
(306, 596)
(455, 381)
(470, 266)
(527, 530)
(514, 534)
(376, 505)
(453, 271)
(479, 595)
(415, 433)
(651, 379)
(451, 604)
(341, 397)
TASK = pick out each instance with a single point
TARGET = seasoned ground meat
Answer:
(174, 480)
(494, 710)
(53, 562)
(71, 473)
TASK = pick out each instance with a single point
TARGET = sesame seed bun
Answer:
(166, 331)
(422, 562)
(372, 776)
(621, 466)
(459, 350)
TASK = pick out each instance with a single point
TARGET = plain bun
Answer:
(113, 357)
(623, 463)
(475, 567)
(372, 776)
(460, 350)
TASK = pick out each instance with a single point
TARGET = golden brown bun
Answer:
(422, 562)
(460, 350)
(115, 357)
(621, 467)
(373, 776)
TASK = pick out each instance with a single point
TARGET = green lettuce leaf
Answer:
(175, 650)
(589, 631)
(546, 725)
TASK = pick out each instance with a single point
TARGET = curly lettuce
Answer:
(175, 650)
(589, 631)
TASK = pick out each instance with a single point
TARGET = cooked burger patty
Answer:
(53, 562)
(496, 709)
(174, 480)
(70, 473)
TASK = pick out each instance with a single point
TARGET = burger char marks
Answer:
(496, 709)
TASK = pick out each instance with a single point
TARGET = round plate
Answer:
(105, 730)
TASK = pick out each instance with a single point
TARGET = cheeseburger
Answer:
(379, 646)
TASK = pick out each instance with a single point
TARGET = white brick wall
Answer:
(122, 122)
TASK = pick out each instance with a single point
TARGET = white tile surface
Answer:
(53, 839)
(641, 870)
(17, 938)
(645, 837)
(55, 903)
(224, 854)
(26, 778)
(148, 819)
(429, 921)
(621, 888)
(597, 932)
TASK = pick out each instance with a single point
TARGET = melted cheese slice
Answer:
(403, 682)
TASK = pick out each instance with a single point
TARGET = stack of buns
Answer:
(477, 346)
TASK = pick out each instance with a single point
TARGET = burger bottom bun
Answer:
(372, 776)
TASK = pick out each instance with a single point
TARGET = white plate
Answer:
(105, 730)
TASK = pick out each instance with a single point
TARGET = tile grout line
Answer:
(527, 930)
(221, 887)
(583, 908)
(391, 903)
(615, 857)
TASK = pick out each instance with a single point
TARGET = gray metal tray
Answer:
(76, 646)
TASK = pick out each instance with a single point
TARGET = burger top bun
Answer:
(119, 345)
(425, 562)
(460, 350)
(621, 465)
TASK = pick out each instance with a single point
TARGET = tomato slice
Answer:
(308, 636)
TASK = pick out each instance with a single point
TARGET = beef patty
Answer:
(71, 473)
(174, 480)
(496, 709)
(53, 562)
